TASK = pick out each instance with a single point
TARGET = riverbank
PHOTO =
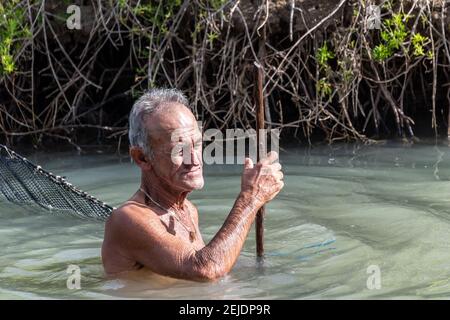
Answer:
(332, 70)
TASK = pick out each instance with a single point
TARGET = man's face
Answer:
(176, 142)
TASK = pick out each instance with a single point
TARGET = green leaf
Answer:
(323, 55)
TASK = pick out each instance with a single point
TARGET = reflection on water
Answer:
(343, 209)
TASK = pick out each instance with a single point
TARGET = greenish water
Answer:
(342, 210)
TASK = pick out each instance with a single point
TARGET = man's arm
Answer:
(151, 245)
(218, 257)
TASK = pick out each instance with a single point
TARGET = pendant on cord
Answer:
(192, 236)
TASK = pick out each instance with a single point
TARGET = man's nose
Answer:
(195, 157)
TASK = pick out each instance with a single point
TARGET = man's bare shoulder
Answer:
(130, 214)
(127, 229)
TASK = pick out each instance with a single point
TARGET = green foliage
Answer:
(381, 52)
(212, 36)
(419, 41)
(6, 60)
(323, 55)
(158, 14)
(208, 9)
(324, 88)
(393, 36)
(217, 4)
(13, 26)
(387, 5)
(122, 4)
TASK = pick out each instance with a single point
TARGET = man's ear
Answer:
(139, 157)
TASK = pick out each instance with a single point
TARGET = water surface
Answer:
(343, 209)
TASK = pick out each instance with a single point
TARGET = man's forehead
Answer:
(174, 119)
(183, 134)
(172, 137)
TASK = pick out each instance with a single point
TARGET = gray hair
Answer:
(148, 103)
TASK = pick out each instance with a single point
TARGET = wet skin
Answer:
(140, 234)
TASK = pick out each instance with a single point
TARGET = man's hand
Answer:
(263, 180)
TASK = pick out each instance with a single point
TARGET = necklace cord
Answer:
(169, 211)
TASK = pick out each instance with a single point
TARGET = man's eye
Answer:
(177, 150)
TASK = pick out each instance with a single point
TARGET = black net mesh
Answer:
(25, 184)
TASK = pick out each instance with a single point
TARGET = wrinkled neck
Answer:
(161, 192)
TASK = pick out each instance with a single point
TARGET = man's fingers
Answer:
(279, 175)
(272, 156)
(276, 166)
(248, 164)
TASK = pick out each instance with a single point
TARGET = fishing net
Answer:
(26, 184)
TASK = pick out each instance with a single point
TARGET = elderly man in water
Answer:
(157, 228)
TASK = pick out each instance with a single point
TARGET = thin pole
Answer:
(448, 124)
(260, 124)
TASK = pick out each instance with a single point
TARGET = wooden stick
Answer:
(261, 143)
(448, 122)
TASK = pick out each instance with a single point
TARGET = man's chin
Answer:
(198, 185)
(194, 185)
(191, 184)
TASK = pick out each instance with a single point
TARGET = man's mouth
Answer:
(192, 171)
